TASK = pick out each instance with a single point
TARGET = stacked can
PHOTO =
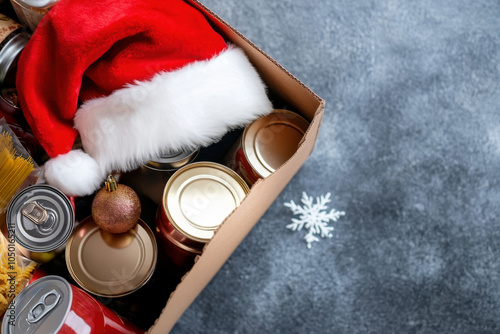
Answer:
(196, 200)
(150, 179)
(52, 305)
(41, 219)
(266, 144)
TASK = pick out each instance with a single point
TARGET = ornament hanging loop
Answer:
(111, 183)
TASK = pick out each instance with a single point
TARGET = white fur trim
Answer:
(183, 109)
(74, 173)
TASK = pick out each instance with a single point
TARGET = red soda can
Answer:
(52, 305)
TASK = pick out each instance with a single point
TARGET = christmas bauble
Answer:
(116, 208)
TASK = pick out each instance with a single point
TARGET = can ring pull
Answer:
(35, 212)
(43, 218)
(41, 307)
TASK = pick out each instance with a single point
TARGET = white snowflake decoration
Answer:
(313, 217)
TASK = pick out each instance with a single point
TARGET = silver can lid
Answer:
(172, 160)
(40, 218)
(41, 307)
(10, 54)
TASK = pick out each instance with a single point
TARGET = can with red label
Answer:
(197, 199)
(52, 305)
(266, 144)
(41, 219)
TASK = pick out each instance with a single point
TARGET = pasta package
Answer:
(15, 272)
(17, 168)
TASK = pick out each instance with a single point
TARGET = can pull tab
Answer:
(43, 306)
(39, 215)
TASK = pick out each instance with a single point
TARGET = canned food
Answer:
(150, 179)
(52, 305)
(196, 200)
(12, 42)
(266, 144)
(31, 12)
(111, 265)
(41, 219)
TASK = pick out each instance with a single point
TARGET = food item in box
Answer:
(111, 265)
(266, 144)
(41, 218)
(12, 42)
(17, 168)
(52, 305)
(150, 179)
(197, 199)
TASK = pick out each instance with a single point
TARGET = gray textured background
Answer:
(409, 149)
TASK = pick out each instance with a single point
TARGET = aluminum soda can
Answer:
(41, 219)
(266, 144)
(196, 200)
(53, 305)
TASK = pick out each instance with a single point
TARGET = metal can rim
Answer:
(262, 170)
(172, 179)
(84, 286)
(165, 166)
(10, 52)
(28, 289)
(64, 199)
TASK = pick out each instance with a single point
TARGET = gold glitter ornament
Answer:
(116, 208)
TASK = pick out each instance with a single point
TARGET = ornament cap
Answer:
(111, 183)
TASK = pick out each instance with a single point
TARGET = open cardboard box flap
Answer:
(263, 193)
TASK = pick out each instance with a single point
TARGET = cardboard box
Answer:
(299, 98)
(284, 87)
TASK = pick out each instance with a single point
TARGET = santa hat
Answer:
(152, 75)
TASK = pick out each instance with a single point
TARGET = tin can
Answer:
(12, 42)
(31, 12)
(41, 219)
(111, 265)
(266, 144)
(52, 305)
(150, 179)
(196, 200)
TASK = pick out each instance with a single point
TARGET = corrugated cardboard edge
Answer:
(263, 193)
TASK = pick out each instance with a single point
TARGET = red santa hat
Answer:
(152, 75)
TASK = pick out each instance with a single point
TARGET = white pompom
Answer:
(74, 173)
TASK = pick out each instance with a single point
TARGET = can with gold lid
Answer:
(150, 179)
(196, 200)
(111, 265)
(41, 219)
(266, 144)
